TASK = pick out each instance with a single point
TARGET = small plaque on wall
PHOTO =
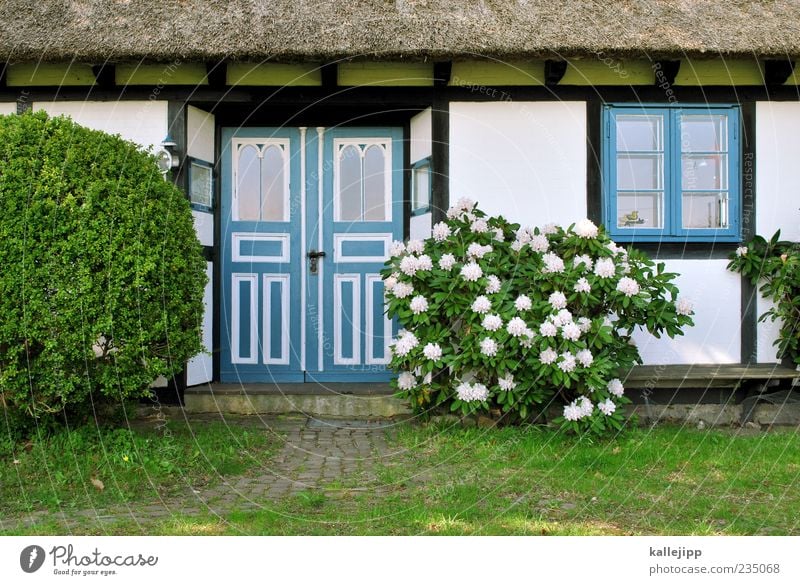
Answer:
(201, 185)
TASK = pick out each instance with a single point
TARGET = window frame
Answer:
(672, 230)
(420, 165)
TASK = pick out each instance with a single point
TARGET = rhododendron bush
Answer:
(495, 316)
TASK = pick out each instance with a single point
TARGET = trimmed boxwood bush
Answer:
(101, 274)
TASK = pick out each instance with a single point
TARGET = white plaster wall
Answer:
(8, 108)
(143, 121)
(524, 160)
(421, 137)
(420, 227)
(199, 370)
(716, 335)
(777, 194)
(204, 226)
(200, 134)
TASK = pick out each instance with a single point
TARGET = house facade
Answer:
(310, 136)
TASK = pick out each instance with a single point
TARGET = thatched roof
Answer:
(289, 30)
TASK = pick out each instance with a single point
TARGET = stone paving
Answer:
(334, 457)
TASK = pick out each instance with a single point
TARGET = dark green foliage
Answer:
(101, 274)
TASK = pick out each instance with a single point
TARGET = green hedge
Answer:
(101, 274)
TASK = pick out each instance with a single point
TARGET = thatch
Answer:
(291, 30)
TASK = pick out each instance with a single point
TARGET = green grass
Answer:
(146, 463)
(441, 480)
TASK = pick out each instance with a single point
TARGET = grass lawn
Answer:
(439, 480)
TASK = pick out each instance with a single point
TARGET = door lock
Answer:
(313, 257)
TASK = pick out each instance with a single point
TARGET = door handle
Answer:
(313, 257)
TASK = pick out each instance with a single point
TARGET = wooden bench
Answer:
(757, 379)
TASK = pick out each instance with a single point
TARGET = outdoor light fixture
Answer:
(167, 158)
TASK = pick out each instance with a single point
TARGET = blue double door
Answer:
(308, 215)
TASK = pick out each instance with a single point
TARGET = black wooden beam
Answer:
(666, 71)
(440, 158)
(777, 71)
(217, 74)
(442, 72)
(3, 69)
(554, 71)
(329, 74)
(105, 75)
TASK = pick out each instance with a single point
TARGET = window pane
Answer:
(640, 132)
(248, 184)
(640, 210)
(642, 171)
(422, 194)
(705, 210)
(272, 184)
(350, 184)
(704, 171)
(374, 184)
(704, 133)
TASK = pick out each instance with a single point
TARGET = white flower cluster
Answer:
(432, 351)
(628, 286)
(578, 409)
(481, 305)
(462, 208)
(585, 228)
(419, 304)
(492, 322)
(405, 343)
(552, 263)
(475, 250)
(683, 306)
(441, 231)
(471, 271)
(406, 381)
(447, 261)
(493, 284)
(506, 382)
(489, 347)
(467, 392)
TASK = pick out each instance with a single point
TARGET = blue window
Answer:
(671, 173)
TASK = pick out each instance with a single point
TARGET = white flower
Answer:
(390, 281)
(585, 228)
(605, 268)
(415, 246)
(615, 387)
(488, 346)
(402, 290)
(585, 357)
(567, 363)
(523, 235)
(506, 383)
(454, 212)
(626, 267)
(492, 322)
(471, 272)
(570, 331)
(562, 318)
(492, 285)
(684, 306)
(572, 412)
(585, 324)
(516, 327)
(481, 305)
(447, 261)
(614, 248)
(527, 338)
(583, 259)
(516, 245)
(558, 300)
(432, 351)
(472, 392)
(409, 265)
(419, 304)
(499, 235)
(523, 303)
(549, 228)
(548, 329)
(475, 250)
(424, 262)
(548, 356)
(607, 407)
(585, 405)
(405, 344)
(628, 286)
(397, 248)
(406, 381)
(479, 226)
(465, 203)
(583, 286)
(441, 231)
(741, 251)
(539, 243)
(552, 263)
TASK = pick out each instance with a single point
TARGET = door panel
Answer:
(287, 193)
